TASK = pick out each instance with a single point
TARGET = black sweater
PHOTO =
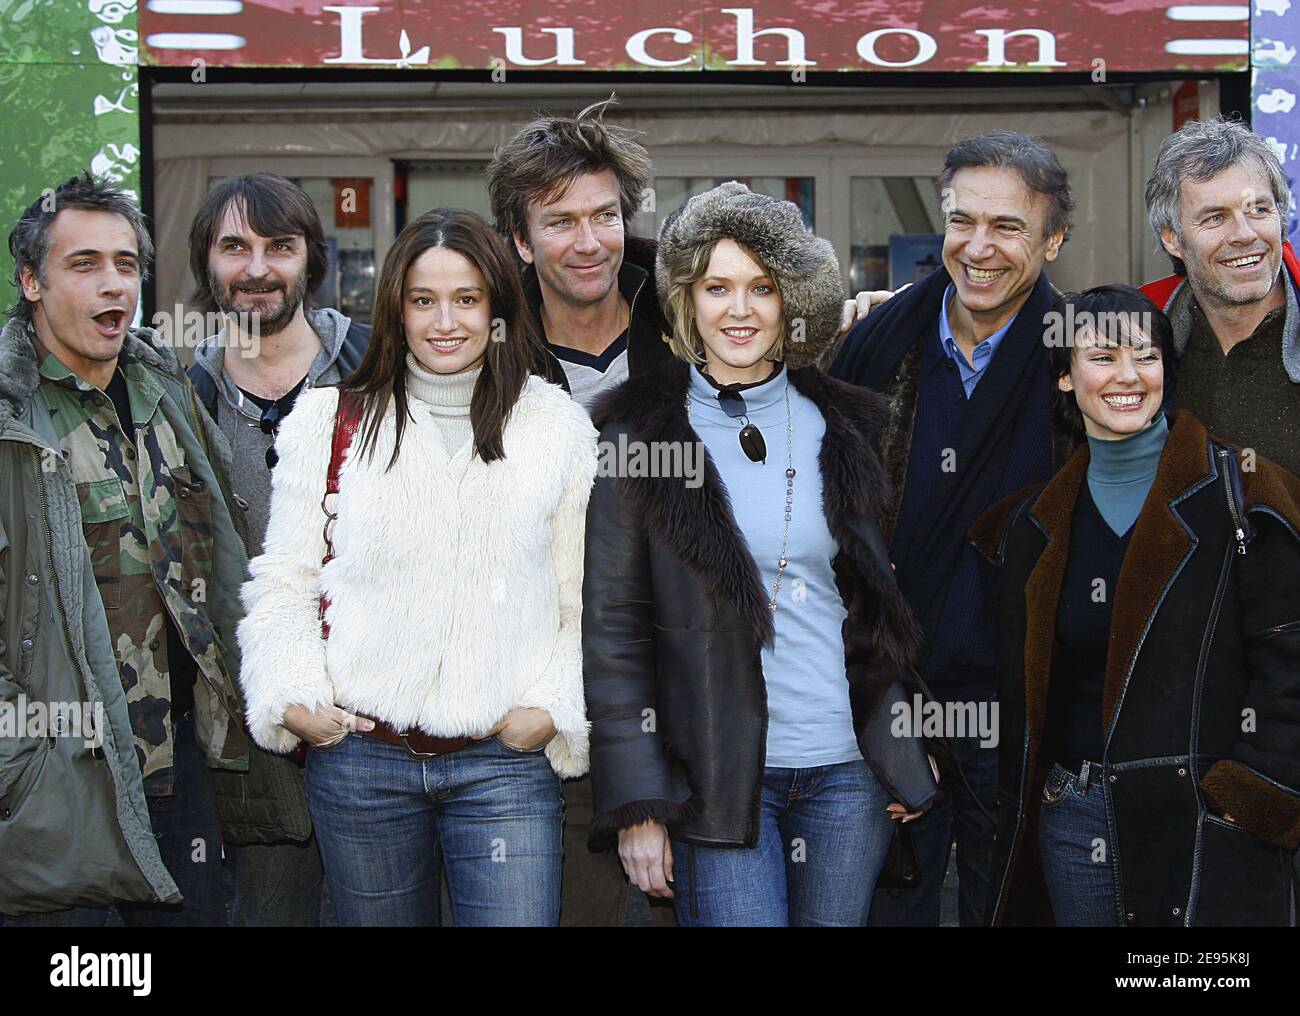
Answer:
(1074, 727)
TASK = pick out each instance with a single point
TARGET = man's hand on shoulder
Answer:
(864, 303)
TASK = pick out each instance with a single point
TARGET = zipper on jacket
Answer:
(1013, 851)
(54, 572)
(1239, 529)
(631, 317)
(232, 499)
(96, 752)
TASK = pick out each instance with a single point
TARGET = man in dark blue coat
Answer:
(961, 357)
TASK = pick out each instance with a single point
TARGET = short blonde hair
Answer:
(686, 342)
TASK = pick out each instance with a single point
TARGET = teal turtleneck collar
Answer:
(1120, 472)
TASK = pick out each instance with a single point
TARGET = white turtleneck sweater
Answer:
(446, 398)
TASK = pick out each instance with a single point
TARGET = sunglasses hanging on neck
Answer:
(751, 438)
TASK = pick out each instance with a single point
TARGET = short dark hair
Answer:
(1097, 308)
(271, 206)
(1032, 158)
(549, 153)
(29, 241)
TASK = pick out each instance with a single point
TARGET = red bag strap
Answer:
(346, 421)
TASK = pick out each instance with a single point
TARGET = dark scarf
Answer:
(871, 356)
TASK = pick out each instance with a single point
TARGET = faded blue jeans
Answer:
(1078, 865)
(493, 814)
(823, 836)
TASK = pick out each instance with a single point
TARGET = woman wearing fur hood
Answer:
(442, 696)
(739, 633)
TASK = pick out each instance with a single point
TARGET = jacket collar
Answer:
(1175, 297)
(647, 340)
(331, 327)
(19, 370)
(1159, 547)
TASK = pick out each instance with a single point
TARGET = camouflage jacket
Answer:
(147, 520)
(164, 535)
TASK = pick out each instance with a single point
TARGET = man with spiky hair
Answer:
(1217, 201)
(126, 593)
(563, 191)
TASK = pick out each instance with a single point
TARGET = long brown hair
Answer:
(381, 375)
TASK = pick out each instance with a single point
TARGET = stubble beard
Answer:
(1210, 287)
(267, 323)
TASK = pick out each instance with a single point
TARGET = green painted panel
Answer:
(69, 31)
(59, 119)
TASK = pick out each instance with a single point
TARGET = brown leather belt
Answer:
(418, 744)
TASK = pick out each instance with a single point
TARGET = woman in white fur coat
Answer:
(442, 700)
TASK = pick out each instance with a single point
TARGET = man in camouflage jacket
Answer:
(110, 424)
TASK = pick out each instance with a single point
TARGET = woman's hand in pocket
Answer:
(324, 726)
(524, 728)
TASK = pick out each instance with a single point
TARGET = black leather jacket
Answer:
(675, 616)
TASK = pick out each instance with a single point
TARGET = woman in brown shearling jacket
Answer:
(1149, 653)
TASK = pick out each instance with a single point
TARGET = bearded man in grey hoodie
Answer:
(257, 250)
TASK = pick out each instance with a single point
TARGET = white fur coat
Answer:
(456, 587)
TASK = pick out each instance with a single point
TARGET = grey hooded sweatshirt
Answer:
(241, 422)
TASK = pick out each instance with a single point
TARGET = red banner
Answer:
(1096, 37)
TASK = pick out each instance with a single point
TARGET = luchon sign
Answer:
(771, 35)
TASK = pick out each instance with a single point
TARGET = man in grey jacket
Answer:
(55, 648)
(1217, 200)
(257, 250)
(121, 559)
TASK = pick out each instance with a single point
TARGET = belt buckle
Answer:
(412, 752)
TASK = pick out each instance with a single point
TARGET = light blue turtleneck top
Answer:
(809, 720)
(1120, 473)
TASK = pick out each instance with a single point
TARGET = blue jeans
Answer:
(956, 816)
(823, 836)
(1076, 850)
(189, 840)
(383, 820)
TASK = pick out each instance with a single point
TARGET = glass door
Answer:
(888, 229)
(680, 177)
